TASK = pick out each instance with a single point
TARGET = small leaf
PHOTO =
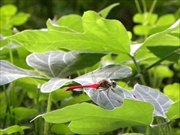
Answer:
(162, 72)
(167, 19)
(14, 129)
(106, 10)
(73, 22)
(172, 91)
(53, 26)
(173, 112)
(61, 129)
(21, 112)
(19, 19)
(8, 10)
(9, 73)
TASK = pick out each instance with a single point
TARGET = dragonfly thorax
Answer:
(106, 84)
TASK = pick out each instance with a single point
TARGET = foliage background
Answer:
(41, 10)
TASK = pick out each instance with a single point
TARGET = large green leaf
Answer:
(100, 35)
(88, 118)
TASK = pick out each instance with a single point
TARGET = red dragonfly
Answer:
(103, 84)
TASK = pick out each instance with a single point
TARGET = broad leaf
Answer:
(54, 84)
(96, 119)
(62, 64)
(110, 99)
(10, 72)
(99, 34)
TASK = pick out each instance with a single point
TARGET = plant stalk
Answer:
(46, 125)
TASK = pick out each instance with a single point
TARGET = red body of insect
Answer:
(104, 84)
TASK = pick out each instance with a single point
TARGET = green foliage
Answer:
(86, 43)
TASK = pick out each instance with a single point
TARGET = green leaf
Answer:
(8, 11)
(22, 113)
(173, 112)
(100, 35)
(141, 30)
(53, 26)
(96, 119)
(74, 100)
(106, 10)
(19, 19)
(167, 19)
(163, 43)
(172, 91)
(61, 129)
(162, 72)
(14, 129)
(145, 18)
(30, 85)
(73, 22)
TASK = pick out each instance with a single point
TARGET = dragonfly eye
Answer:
(113, 84)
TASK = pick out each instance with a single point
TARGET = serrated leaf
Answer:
(9, 73)
(100, 34)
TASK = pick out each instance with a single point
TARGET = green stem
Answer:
(152, 7)
(144, 6)
(10, 53)
(158, 62)
(138, 6)
(138, 70)
(46, 125)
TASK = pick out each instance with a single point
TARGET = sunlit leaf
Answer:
(172, 91)
(173, 112)
(9, 72)
(96, 119)
(106, 10)
(99, 34)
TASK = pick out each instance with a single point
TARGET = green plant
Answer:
(75, 46)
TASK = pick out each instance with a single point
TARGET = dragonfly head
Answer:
(113, 83)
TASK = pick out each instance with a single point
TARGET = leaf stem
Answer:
(138, 70)
(46, 125)
(153, 65)
(144, 6)
(138, 6)
(152, 7)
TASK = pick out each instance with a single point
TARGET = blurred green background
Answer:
(41, 10)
